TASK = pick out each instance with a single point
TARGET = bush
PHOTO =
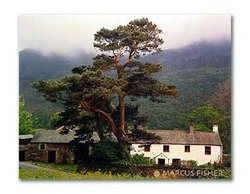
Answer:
(109, 151)
(226, 161)
(189, 163)
(140, 159)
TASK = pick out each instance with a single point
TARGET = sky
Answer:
(67, 34)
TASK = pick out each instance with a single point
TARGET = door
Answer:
(81, 153)
(21, 156)
(52, 157)
(161, 161)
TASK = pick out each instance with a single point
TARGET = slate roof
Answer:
(52, 136)
(185, 137)
(26, 136)
(55, 136)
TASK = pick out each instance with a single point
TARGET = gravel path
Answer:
(30, 166)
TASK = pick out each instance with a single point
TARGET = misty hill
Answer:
(196, 70)
(197, 55)
(34, 65)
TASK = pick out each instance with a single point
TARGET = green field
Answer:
(56, 171)
(41, 174)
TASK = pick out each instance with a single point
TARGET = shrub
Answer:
(189, 163)
(108, 151)
(140, 159)
(226, 161)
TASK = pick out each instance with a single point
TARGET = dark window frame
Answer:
(176, 162)
(165, 148)
(146, 148)
(42, 146)
(187, 148)
(208, 150)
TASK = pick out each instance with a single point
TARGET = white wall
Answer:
(197, 153)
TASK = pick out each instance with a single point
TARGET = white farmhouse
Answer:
(181, 145)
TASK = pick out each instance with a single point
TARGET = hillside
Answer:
(196, 70)
(196, 55)
(33, 65)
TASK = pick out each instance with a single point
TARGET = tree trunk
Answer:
(122, 116)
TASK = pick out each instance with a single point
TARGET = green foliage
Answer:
(204, 117)
(43, 174)
(108, 151)
(26, 119)
(140, 159)
(221, 100)
(54, 119)
(225, 133)
(202, 127)
(189, 164)
(140, 34)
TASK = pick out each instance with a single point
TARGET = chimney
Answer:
(191, 128)
(215, 128)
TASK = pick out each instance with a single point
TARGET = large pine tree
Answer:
(117, 73)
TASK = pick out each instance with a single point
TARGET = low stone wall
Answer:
(158, 172)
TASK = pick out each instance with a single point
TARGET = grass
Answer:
(69, 171)
(62, 167)
(42, 174)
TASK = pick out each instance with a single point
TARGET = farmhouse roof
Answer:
(26, 136)
(56, 136)
(185, 137)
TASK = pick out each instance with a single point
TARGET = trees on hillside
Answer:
(89, 93)
(218, 110)
(222, 98)
(26, 119)
(204, 117)
(221, 101)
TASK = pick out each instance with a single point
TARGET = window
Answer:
(166, 148)
(207, 150)
(41, 146)
(176, 162)
(147, 148)
(187, 148)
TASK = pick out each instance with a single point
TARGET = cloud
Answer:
(65, 34)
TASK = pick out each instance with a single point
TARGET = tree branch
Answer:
(108, 118)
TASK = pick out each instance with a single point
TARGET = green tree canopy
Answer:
(26, 119)
(204, 117)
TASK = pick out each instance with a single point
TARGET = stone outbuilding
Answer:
(24, 144)
(56, 146)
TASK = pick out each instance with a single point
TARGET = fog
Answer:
(67, 34)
